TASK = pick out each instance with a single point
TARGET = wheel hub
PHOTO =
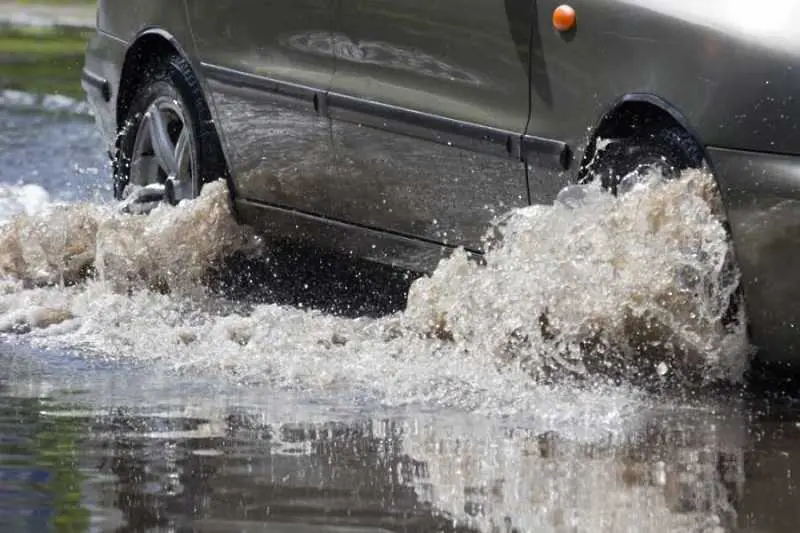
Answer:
(163, 161)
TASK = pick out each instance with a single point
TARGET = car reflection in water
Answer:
(672, 475)
(675, 474)
(218, 468)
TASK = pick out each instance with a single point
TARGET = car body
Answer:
(396, 130)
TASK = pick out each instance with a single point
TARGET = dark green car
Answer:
(397, 129)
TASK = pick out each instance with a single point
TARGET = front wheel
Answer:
(167, 147)
(665, 153)
(621, 163)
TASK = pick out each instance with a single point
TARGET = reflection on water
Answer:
(72, 459)
(40, 475)
(676, 474)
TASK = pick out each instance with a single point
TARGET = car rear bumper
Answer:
(762, 195)
(105, 55)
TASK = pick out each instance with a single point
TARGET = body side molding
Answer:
(434, 128)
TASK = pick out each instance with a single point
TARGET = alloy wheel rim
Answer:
(163, 161)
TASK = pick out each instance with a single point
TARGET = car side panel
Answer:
(732, 70)
(444, 57)
(764, 213)
(263, 73)
(426, 98)
(731, 75)
(125, 19)
(105, 56)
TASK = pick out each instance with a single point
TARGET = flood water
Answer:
(94, 446)
(150, 382)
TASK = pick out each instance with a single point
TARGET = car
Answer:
(396, 130)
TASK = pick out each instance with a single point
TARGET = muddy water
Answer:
(177, 373)
(97, 446)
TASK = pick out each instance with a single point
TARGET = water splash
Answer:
(636, 285)
(172, 249)
(16, 199)
(500, 479)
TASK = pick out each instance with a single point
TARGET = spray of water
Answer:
(494, 479)
(636, 286)
(169, 250)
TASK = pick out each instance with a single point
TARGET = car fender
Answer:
(726, 74)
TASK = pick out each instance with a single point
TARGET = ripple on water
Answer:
(21, 100)
(579, 290)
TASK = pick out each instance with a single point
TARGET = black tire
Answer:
(670, 150)
(170, 77)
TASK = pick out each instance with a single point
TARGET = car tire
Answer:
(167, 147)
(670, 151)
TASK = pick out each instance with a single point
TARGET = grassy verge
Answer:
(42, 60)
(57, 2)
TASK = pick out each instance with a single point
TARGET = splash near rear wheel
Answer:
(167, 147)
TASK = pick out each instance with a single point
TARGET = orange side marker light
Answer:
(564, 18)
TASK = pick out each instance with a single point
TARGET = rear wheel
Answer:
(167, 147)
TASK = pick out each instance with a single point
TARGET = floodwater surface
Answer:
(175, 372)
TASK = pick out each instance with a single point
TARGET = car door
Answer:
(266, 62)
(429, 104)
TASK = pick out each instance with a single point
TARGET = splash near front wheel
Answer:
(666, 154)
(619, 164)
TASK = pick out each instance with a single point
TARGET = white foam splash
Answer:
(16, 199)
(565, 288)
(168, 250)
(55, 103)
(611, 276)
(496, 479)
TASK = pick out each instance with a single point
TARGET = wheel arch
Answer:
(632, 112)
(644, 110)
(149, 45)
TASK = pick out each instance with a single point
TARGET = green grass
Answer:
(41, 43)
(42, 60)
(44, 77)
(58, 2)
